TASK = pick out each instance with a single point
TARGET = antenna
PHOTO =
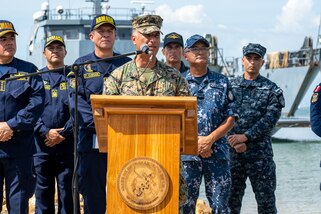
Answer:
(143, 4)
(97, 6)
(319, 34)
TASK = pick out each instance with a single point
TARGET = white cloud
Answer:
(189, 14)
(316, 20)
(222, 26)
(294, 14)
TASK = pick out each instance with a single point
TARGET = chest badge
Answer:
(54, 93)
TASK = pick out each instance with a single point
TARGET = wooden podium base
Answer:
(140, 139)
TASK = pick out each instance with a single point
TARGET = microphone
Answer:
(145, 49)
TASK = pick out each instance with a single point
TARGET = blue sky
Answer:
(278, 25)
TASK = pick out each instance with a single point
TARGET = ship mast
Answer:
(97, 6)
(319, 34)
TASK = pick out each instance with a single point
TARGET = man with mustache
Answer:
(54, 159)
(21, 104)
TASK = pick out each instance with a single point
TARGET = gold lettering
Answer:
(6, 25)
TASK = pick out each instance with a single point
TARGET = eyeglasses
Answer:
(197, 50)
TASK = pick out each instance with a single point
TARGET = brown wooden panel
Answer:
(154, 136)
(138, 126)
(185, 106)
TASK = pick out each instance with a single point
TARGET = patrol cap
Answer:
(6, 27)
(173, 38)
(101, 20)
(191, 41)
(147, 24)
(54, 38)
(254, 48)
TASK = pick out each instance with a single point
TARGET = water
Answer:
(298, 179)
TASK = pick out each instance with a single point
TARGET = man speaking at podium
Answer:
(145, 75)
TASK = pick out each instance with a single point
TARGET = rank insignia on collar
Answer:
(314, 97)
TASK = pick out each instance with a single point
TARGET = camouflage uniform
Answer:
(214, 106)
(163, 81)
(259, 104)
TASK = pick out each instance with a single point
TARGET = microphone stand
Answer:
(75, 69)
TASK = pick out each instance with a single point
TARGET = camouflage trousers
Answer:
(261, 173)
(217, 179)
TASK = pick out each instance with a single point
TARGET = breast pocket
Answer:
(94, 85)
(261, 98)
(19, 90)
(217, 95)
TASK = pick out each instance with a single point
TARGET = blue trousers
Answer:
(263, 180)
(217, 180)
(48, 169)
(19, 181)
(92, 172)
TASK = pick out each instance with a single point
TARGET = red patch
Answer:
(317, 89)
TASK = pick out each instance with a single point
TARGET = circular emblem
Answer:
(143, 183)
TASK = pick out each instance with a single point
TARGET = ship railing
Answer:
(225, 65)
(286, 59)
(87, 13)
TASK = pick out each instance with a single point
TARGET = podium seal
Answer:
(143, 183)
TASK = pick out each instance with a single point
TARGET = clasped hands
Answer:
(6, 132)
(237, 141)
(53, 137)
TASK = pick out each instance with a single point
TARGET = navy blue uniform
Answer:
(183, 68)
(315, 112)
(214, 106)
(57, 162)
(92, 167)
(21, 104)
(259, 104)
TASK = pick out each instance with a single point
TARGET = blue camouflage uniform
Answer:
(21, 104)
(214, 106)
(92, 166)
(259, 104)
(54, 163)
(315, 113)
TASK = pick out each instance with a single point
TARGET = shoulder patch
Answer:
(230, 95)
(317, 89)
(315, 97)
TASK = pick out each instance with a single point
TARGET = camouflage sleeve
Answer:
(265, 125)
(315, 111)
(183, 88)
(111, 84)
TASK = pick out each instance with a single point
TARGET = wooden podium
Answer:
(144, 137)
